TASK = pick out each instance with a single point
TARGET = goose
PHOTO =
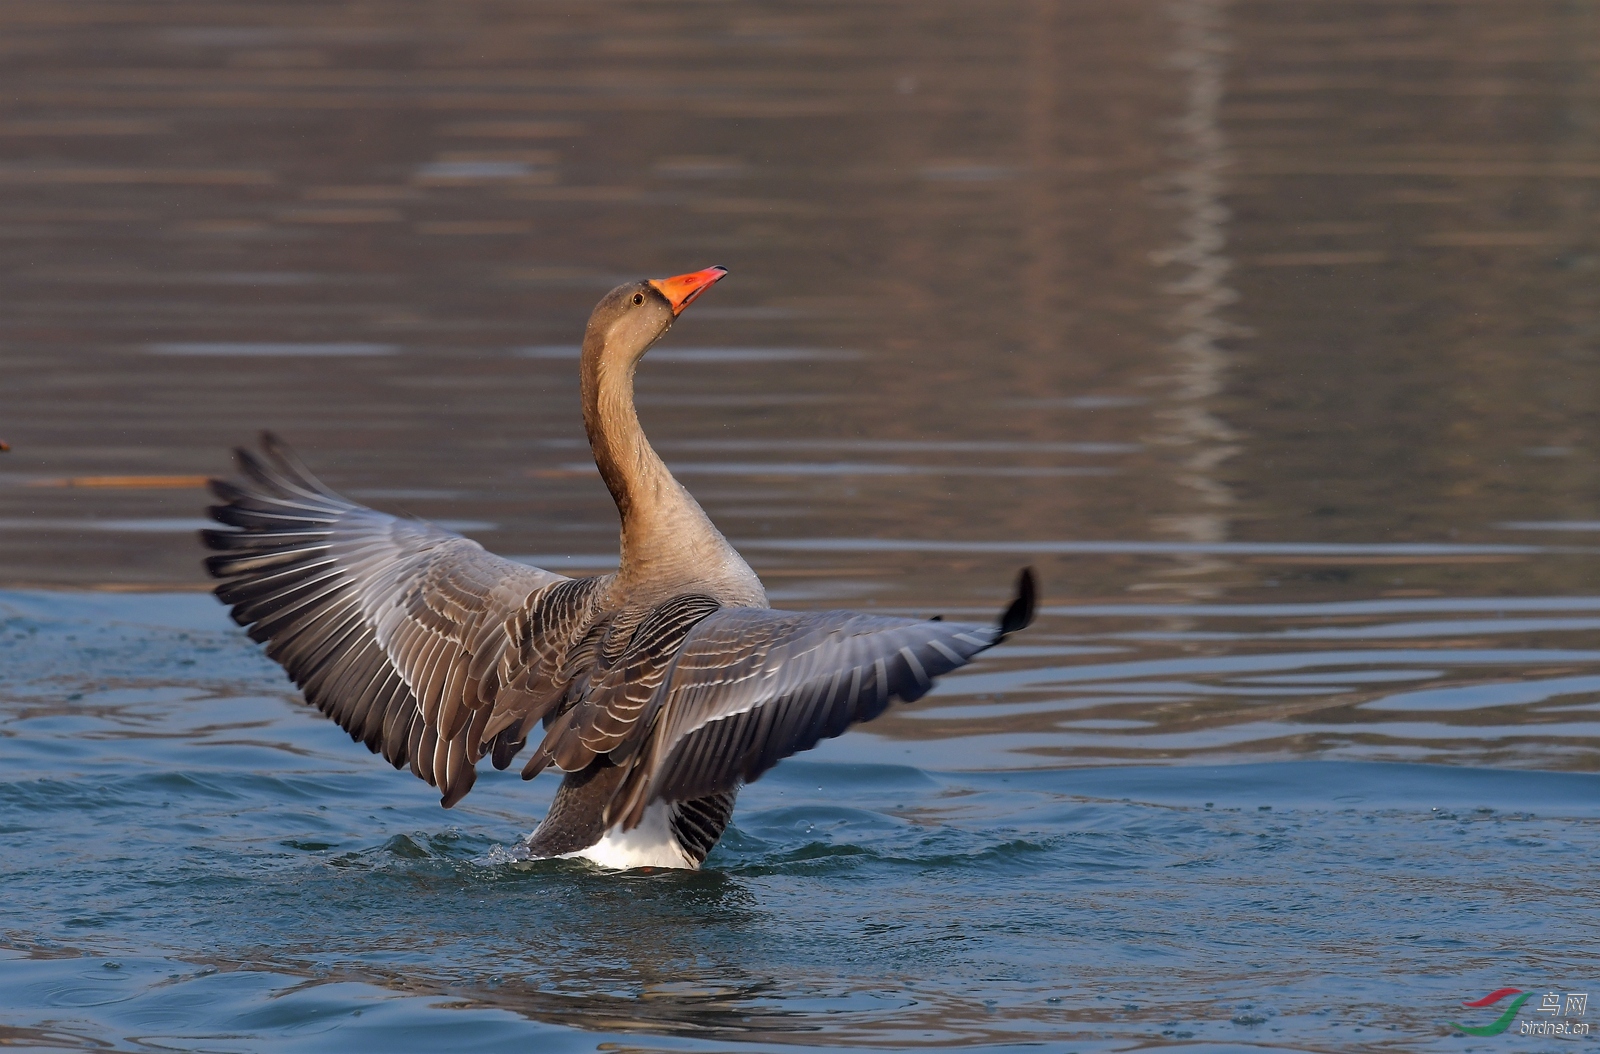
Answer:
(661, 688)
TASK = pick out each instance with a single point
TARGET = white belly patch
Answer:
(651, 844)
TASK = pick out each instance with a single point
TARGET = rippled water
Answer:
(195, 860)
(1267, 331)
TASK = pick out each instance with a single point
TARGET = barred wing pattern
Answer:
(604, 717)
(752, 686)
(412, 638)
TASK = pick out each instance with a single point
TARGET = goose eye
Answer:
(638, 298)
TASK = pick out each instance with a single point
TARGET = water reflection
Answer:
(1202, 292)
(274, 350)
(997, 217)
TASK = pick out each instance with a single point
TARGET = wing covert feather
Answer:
(605, 719)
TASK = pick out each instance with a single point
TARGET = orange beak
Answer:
(681, 291)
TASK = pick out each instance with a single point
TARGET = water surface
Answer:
(198, 860)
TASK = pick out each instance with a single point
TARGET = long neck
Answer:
(666, 537)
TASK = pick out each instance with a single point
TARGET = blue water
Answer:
(196, 860)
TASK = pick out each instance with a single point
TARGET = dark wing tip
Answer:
(221, 541)
(1020, 614)
(458, 789)
(279, 453)
(538, 763)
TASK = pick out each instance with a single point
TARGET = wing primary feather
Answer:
(507, 745)
(924, 682)
(1019, 615)
(423, 741)
(398, 709)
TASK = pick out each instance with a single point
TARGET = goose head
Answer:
(634, 316)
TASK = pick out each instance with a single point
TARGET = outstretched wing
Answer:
(753, 686)
(417, 641)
